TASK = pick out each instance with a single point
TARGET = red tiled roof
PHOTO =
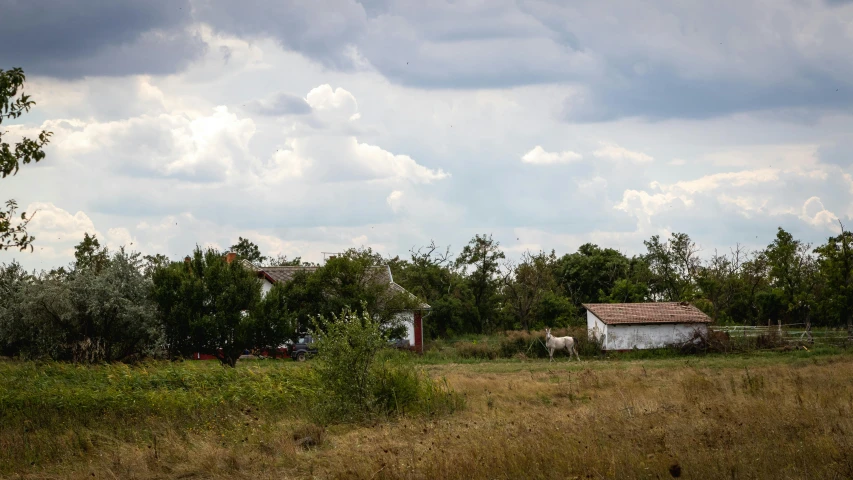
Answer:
(661, 312)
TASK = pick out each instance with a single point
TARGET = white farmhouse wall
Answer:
(408, 319)
(628, 337)
(266, 286)
(596, 329)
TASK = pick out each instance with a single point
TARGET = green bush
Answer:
(357, 381)
(477, 350)
(402, 389)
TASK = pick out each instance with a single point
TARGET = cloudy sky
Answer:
(318, 126)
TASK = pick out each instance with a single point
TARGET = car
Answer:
(303, 348)
(400, 343)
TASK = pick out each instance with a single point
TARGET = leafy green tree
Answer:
(356, 277)
(482, 257)
(283, 261)
(674, 265)
(89, 254)
(204, 304)
(589, 274)
(153, 262)
(431, 276)
(273, 322)
(13, 234)
(526, 283)
(792, 275)
(835, 260)
(247, 250)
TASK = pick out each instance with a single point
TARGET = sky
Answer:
(313, 127)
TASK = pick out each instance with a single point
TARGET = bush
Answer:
(353, 386)
(532, 344)
(401, 389)
(477, 350)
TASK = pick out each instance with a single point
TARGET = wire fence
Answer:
(788, 333)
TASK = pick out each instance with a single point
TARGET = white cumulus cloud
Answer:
(538, 156)
(615, 152)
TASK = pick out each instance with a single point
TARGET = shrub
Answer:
(477, 350)
(532, 344)
(401, 389)
(354, 386)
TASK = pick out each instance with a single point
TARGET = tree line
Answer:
(108, 306)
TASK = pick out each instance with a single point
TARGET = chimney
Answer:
(187, 259)
(230, 256)
(332, 257)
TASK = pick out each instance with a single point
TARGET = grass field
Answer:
(767, 415)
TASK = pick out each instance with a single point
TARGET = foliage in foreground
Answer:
(356, 385)
(13, 233)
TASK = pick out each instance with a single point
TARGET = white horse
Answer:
(560, 343)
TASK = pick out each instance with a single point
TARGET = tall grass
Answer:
(762, 415)
(53, 412)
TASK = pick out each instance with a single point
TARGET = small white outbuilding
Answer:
(626, 326)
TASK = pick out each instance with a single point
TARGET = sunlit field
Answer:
(763, 415)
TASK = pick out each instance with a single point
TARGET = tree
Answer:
(673, 265)
(247, 250)
(153, 262)
(283, 261)
(272, 320)
(14, 235)
(483, 255)
(88, 254)
(791, 272)
(13, 279)
(204, 304)
(357, 278)
(430, 275)
(88, 316)
(526, 283)
(589, 274)
(835, 259)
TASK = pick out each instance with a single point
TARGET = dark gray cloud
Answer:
(666, 60)
(320, 29)
(281, 104)
(662, 94)
(97, 37)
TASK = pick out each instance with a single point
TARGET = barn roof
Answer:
(639, 313)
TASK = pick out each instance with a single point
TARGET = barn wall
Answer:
(596, 328)
(627, 337)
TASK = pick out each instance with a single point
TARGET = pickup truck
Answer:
(302, 348)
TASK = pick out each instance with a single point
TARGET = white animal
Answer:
(559, 343)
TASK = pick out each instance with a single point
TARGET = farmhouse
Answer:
(413, 319)
(625, 326)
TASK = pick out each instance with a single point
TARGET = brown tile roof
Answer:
(661, 312)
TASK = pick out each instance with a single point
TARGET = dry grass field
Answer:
(779, 415)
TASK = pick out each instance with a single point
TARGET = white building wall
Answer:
(596, 328)
(408, 319)
(266, 286)
(628, 337)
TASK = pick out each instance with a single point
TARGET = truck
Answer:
(302, 348)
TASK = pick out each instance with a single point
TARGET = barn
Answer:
(626, 326)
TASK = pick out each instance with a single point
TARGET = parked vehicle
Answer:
(303, 348)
